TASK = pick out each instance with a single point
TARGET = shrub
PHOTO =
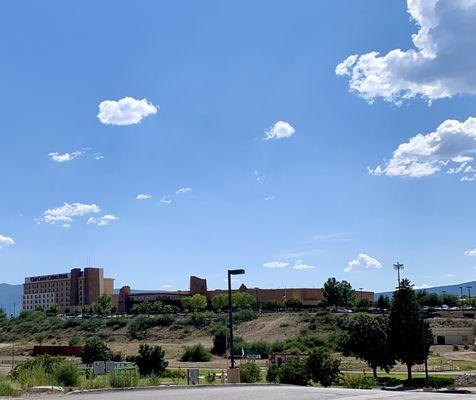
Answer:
(74, 341)
(123, 379)
(95, 350)
(176, 375)
(243, 316)
(219, 341)
(196, 353)
(67, 374)
(200, 319)
(295, 372)
(197, 302)
(249, 372)
(6, 388)
(259, 347)
(138, 327)
(272, 373)
(211, 376)
(357, 381)
(151, 360)
(324, 368)
(116, 323)
(293, 304)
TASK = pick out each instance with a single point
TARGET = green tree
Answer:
(406, 330)
(383, 302)
(151, 360)
(367, 338)
(242, 301)
(157, 307)
(324, 368)
(338, 293)
(144, 307)
(53, 309)
(219, 341)
(293, 304)
(196, 353)
(450, 300)
(295, 372)
(103, 305)
(197, 302)
(249, 372)
(95, 350)
(220, 302)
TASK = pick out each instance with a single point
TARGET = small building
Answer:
(457, 336)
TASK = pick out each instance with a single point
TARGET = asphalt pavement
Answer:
(256, 392)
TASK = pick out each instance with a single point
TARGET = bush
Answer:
(436, 382)
(272, 375)
(74, 341)
(243, 316)
(67, 374)
(295, 372)
(6, 388)
(249, 372)
(116, 323)
(176, 375)
(324, 368)
(138, 327)
(210, 376)
(123, 379)
(196, 353)
(95, 350)
(293, 304)
(357, 381)
(151, 360)
(219, 341)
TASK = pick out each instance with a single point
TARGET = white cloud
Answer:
(423, 155)
(441, 64)
(6, 241)
(299, 265)
(167, 286)
(449, 276)
(279, 130)
(60, 158)
(258, 175)
(98, 156)
(422, 286)
(268, 198)
(362, 262)
(183, 190)
(165, 200)
(102, 221)
(275, 264)
(67, 212)
(143, 196)
(126, 111)
(470, 253)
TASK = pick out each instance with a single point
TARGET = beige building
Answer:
(70, 290)
(458, 336)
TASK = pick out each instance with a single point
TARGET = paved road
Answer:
(258, 393)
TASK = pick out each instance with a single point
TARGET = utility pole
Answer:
(398, 266)
(360, 293)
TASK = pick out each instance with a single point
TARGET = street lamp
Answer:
(398, 267)
(425, 355)
(469, 294)
(461, 290)
(230, 312)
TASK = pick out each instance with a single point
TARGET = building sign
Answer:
(45, 278)
(156, 297)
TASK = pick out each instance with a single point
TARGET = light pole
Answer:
(469, 294)
(425, 356)
(230, 312)
(398, 266)
(461, 291)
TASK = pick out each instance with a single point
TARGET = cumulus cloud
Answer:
(102, 221)
(279, 130)
(268, 198)
(470, 253)
(299, 265)
(275, 264)
(126, 111)
(6, 241)
(441, 64)
(143, 196)
(183, 190)
(451, 146)
(259, 177)
(67, 212)
(362, 262)
(60, 158)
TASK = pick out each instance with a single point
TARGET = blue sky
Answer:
(216, 77)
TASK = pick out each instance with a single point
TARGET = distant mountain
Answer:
(449, 289)
(11, 297)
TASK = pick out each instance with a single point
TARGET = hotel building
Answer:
(70, 290)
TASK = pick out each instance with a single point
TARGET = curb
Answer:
(169, 387)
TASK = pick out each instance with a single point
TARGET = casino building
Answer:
(70, 290)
